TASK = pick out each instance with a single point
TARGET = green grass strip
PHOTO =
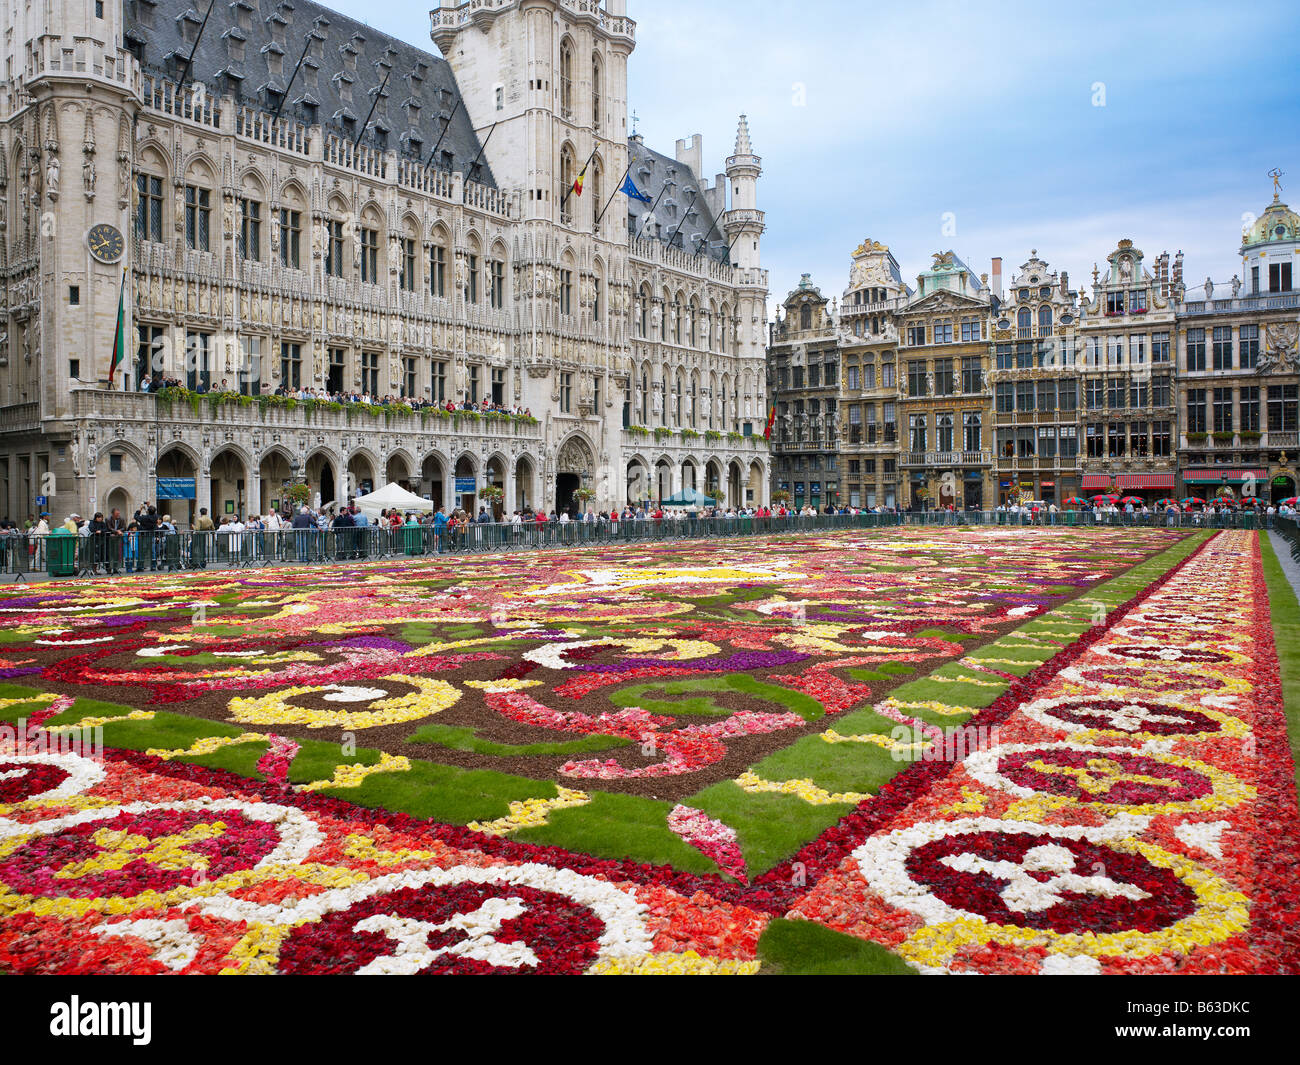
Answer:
(619, 826)
(460, 738)
(802, 948)
(1285, 612)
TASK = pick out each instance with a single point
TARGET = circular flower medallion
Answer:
(1137, 719)
(46, 777)
(1072, 890)
(1163, 652)
(513, 918)
(1106, 777)
(1064, 884)
(457, 928)
(123, 851)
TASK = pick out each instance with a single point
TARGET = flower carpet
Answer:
(930, 750)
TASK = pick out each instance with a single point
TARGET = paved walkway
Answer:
(1290, 567)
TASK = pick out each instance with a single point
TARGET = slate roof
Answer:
(650, 171)
(337, 83)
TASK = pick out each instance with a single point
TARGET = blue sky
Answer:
(887, 121)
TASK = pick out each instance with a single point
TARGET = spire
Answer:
(743, 147)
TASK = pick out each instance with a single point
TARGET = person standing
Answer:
(148, 528)
(115, 530)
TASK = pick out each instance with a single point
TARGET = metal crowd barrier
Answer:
(61, 554)
(1229, 519)
(1290, 532)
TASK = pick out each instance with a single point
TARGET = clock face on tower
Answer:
(105, 242)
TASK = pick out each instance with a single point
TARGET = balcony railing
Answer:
(947, 458)
(249, 413)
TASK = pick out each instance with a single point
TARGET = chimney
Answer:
(997, 277)
(1065, 282)
(691, 152)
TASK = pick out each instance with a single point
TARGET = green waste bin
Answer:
(413, 539)
(61, 553)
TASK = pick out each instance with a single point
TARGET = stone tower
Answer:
(66, 117)
(551, 77)
(743, 225)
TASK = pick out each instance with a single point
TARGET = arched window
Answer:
(1044, 321)
(438, 260)
(597, 97)
(566, 78)
(1023, 320)
(677, 319)
(149, 184)
(805, 316)
(567, 177)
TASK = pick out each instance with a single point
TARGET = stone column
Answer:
(252, 492)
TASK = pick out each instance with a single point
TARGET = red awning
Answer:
(1217, 475)
(1128, 482)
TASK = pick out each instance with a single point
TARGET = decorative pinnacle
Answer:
(743, 147)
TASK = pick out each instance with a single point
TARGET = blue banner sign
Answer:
(176, 488)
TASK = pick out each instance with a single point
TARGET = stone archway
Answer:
(398, 470)
(432, 475)
(638, 480)
(713, 480)
(465, 470)
(275, 474)
(228, 487)
(575, 467)
(756, 488)
(361, 475)
(525, 471)
(495, 474)
(176, 472)
(321, 478)
(735, 495)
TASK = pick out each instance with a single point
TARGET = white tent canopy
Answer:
(392, 496)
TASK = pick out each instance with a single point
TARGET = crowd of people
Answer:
(112, 543)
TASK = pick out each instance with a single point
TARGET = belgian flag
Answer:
(119, 334)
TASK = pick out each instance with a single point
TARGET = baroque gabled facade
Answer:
(1239, 368)
(947, 454)
(868, 331)
(308, 203)
(1036, 387)
(1129, 413)
(804, 364)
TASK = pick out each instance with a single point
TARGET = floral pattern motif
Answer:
(1132, 811)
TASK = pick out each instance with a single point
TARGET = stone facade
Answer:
(1239, 369)
(1035, 387)
(958, 392)
(278, 235)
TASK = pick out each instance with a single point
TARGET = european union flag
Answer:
(629, 188)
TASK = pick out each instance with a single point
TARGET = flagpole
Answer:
(648, 213)
(617, 189)
(565, 198)
(438, 142)
(685, 215)
(128, 319)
